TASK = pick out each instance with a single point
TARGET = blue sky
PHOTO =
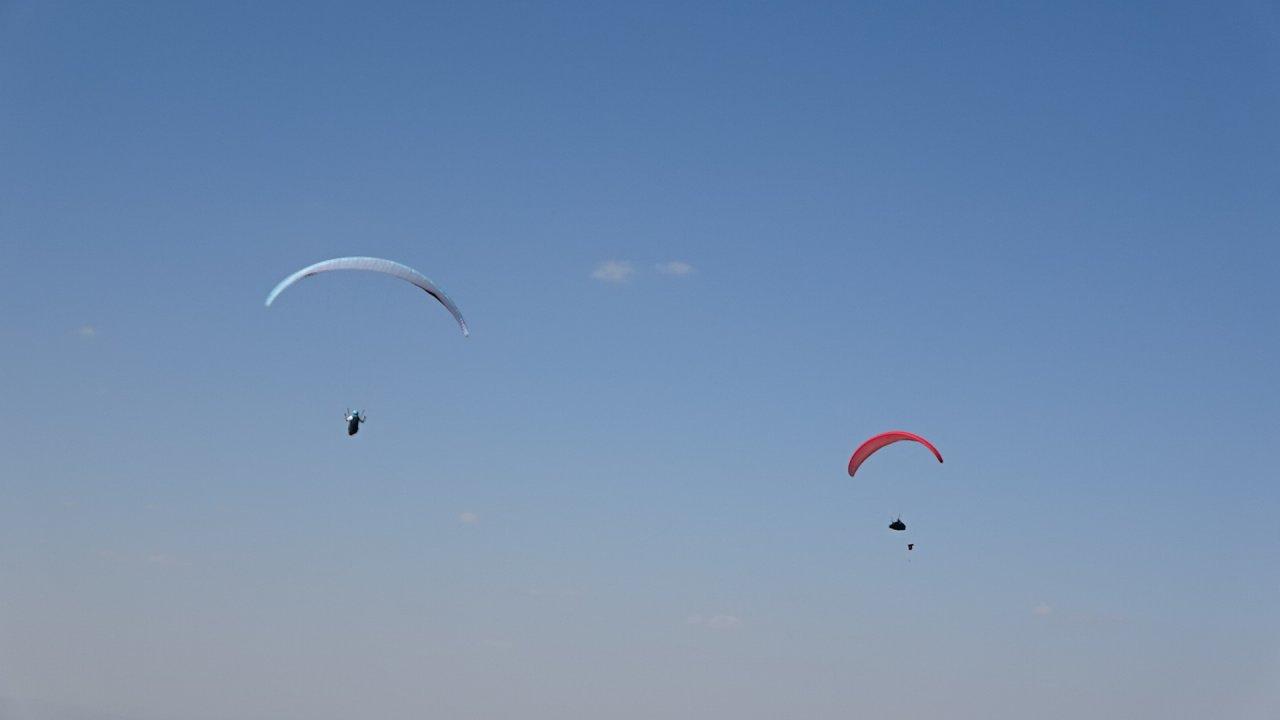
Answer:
(1041, 234)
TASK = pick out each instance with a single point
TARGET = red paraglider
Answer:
(866, 449)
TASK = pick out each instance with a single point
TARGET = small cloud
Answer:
(468, 518)
(613, 271)
(540, 592)
(87, 331)
(715, 622)
(724, 622)
(675, 268)
(1042, 610)
(166, 560)
(155, 559)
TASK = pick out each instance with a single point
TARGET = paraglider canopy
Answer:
(868, 448)
(372, 264)
(898, 525)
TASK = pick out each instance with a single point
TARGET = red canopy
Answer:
(866, 449)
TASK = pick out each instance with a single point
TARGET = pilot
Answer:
(353, 422)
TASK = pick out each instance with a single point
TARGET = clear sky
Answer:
(705, 249)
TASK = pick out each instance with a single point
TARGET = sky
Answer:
(705, 249)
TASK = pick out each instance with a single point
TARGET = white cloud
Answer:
(87, 331)
(675, 268)
(166, 560)
(724, 622)
(1042, 610)
(469, 518)
(715, 622)
(539, 592)
(613, 271)
(155, 559)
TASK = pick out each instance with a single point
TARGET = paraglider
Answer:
(875, 443)
(378, 265)
(354, 419)
(911, 546)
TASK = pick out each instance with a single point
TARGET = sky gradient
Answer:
(704, 252)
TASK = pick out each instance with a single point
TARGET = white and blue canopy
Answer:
(372, 264)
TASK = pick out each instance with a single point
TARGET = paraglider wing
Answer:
(866, 449)
(371, 264)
